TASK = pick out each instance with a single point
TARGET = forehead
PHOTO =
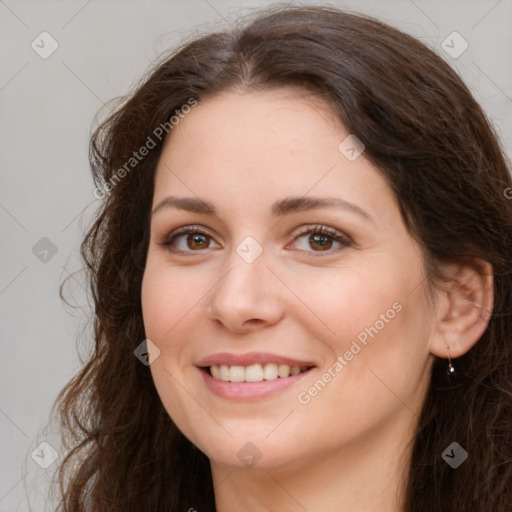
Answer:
(278, 119)
(262, 144)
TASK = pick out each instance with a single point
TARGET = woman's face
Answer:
(273, 251)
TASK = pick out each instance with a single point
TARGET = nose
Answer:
(247, 298)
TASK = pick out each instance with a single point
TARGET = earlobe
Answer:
(463, 310)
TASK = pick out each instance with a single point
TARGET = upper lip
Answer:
(249, 359)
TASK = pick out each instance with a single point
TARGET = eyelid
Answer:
(322, 228)
(184, 230)
(339, 236)
(313, 228)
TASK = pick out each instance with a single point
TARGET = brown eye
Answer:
(197, 241)
(320, 242)
(318, 239)
(189, 239)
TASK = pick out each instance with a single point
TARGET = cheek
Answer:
(173, 308)
(379, 350)
(169, 299)
(169, 304)
(350, 304)
(373, 328)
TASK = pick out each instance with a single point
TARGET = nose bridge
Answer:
(245, 293)
(244, 280)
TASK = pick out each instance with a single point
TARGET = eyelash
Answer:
(186, 230)
(319, 229)
(337, 236)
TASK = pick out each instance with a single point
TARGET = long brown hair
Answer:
(432, 142)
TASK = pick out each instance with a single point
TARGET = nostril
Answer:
(253, 321)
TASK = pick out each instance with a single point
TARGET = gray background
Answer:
(47, 109)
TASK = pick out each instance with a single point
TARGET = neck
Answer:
(370, 474)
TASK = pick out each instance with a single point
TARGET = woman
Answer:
(302, 284)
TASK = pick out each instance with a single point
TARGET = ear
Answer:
(463, 308)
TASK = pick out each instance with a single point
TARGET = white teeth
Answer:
(294, 370)
(236, 373)
(270, 371)
(224, 372)
(254, 372)
(215, 371)
(283, 371)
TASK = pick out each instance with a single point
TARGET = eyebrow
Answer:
(280, 208)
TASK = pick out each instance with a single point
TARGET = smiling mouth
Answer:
(255, 372)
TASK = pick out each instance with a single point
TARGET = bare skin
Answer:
(308, 295)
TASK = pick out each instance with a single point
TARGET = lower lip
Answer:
(248, 390)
